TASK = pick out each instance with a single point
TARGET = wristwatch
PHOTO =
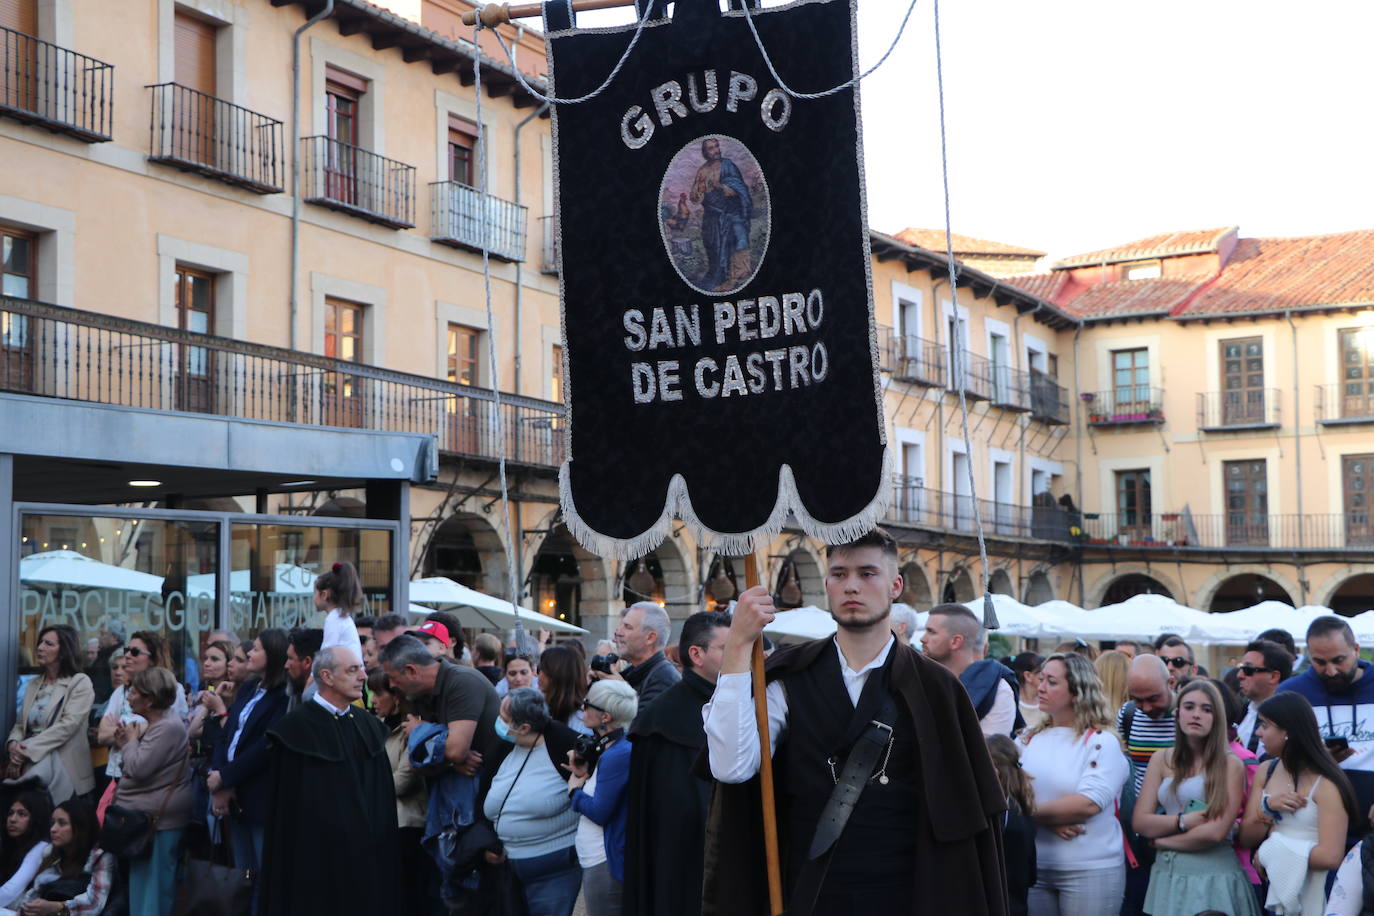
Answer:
(1182, 827)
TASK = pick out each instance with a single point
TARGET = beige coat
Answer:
(412, 799)
(65, 734)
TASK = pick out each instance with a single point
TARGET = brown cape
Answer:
(959, 868)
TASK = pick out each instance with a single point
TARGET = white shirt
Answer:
(334, 710)
(591, 836)
(340, 630)
(1347, 894)
(244, 713)
(1246, 728)
(19, 882)
(732, 738)
(1093, 766)
(1002, 716)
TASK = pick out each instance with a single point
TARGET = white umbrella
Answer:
(73, 570)
(1268, 615)
(1015, 617)
(1147, 616)
(475, 609)
(287, 579)
(802, 623)
(1059, 617)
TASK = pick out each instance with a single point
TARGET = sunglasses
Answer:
(1178, 662)
(1252, 670)
(135, 652)
(586, 706)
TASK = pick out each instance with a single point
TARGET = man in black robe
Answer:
(924, 835)
(666, 826)
(331, 843)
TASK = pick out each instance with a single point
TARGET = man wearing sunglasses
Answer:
(1262, 668)
(1178, 655)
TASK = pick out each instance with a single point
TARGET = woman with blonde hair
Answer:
(1111, 670)
(1075, 758)
(1200, 785)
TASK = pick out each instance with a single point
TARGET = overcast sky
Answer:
(1078, 124)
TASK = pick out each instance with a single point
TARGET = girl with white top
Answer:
(340, 594)
(1300, 809)
(1200, 785)
(1075, 758)
(25, 843)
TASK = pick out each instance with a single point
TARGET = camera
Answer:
(586, 749)
(603, 663)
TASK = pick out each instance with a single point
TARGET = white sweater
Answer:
(341, 631)
(1092, 765)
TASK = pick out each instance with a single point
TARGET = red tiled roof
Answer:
(1273, 275)
(934, 240)
(1168, 244)
(1043, 286)
(1135, 297)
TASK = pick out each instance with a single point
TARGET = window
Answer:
(1133, 503)
(193, 112)
(1247, 502)
(195, 302)
(194, 52)
(556, 383)
(1357, 372)
(1357, 475)
(462, 354)
(1052, 365)
(1144, 270)
(343, 393)
(462, 150)
(343, 93)
(20, 15)
(1131, 381)
(18, 256)
(1242, 381)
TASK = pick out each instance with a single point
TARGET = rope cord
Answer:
(521, 635)
(956, 349)
(749, 18)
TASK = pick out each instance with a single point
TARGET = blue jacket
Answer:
(1348, 715)
(452, 799)
(609, 807)
(247, 773)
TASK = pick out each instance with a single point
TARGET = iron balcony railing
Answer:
(915, 360)
(197, 132)
(61, 90)
(1350, 530)
(1124, 406)
(1049, 400)
(915, 506)
(1251, 408)
(971, 372)
(51, 351)
(1346, 402)
(466, 217)
(548, 262)
(350, 179)
(885, 337)
(1010, 387)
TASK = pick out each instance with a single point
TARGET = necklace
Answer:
(880, 776)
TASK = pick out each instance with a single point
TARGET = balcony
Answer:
(1351, 530)
(1124, 406)
(61, 90)
(466, 218)
(972, 373)
(1049, 400)
(56, 352)
(915, 506)
(1345, 403)
(199, 133)
(352, 180)
(1010, 388)
(916, 361)
(548, 261)
(1223, 411)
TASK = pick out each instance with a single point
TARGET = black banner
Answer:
(716, 290)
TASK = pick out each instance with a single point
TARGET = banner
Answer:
(716, 290)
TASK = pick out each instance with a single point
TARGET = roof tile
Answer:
(1168, 244)
(1273, 275)
(934, 240)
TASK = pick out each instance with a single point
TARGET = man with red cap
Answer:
(435, 637)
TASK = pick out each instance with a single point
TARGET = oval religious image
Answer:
(714, 213)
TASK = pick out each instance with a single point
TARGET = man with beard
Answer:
(1340, 688)
(955, 638)
(667, 816)
(887, 800)
(301, 646)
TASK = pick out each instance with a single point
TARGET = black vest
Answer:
(878, 844)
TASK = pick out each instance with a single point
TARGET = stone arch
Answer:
(1164, 584)
(724, 581)
(800, 566)
(467, 548)
(671, 577)
(1338, 580)
(1352, 595)
(958, 587)
(1038, 589)
(569, 582)
(1235, 588)
(916, 587)
(999, 583)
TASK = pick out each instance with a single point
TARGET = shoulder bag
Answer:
(128, 833)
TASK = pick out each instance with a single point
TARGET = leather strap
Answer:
(181, 771)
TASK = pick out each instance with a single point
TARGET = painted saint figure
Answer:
(726, 210)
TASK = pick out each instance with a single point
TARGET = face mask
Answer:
(503, 732)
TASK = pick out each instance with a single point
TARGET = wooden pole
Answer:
(494, 14)
(770, 814)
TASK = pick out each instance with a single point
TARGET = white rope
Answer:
(956, 350)
(521, 637)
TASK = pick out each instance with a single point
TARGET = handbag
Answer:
(128, 833)
(211, 889)
(64, 889)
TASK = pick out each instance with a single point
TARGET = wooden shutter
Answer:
(20, 15)
(195, 53)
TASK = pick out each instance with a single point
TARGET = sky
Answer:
(1074, 125)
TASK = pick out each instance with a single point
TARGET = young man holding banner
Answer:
(887, 799)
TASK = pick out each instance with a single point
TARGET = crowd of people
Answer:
(433, 777)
